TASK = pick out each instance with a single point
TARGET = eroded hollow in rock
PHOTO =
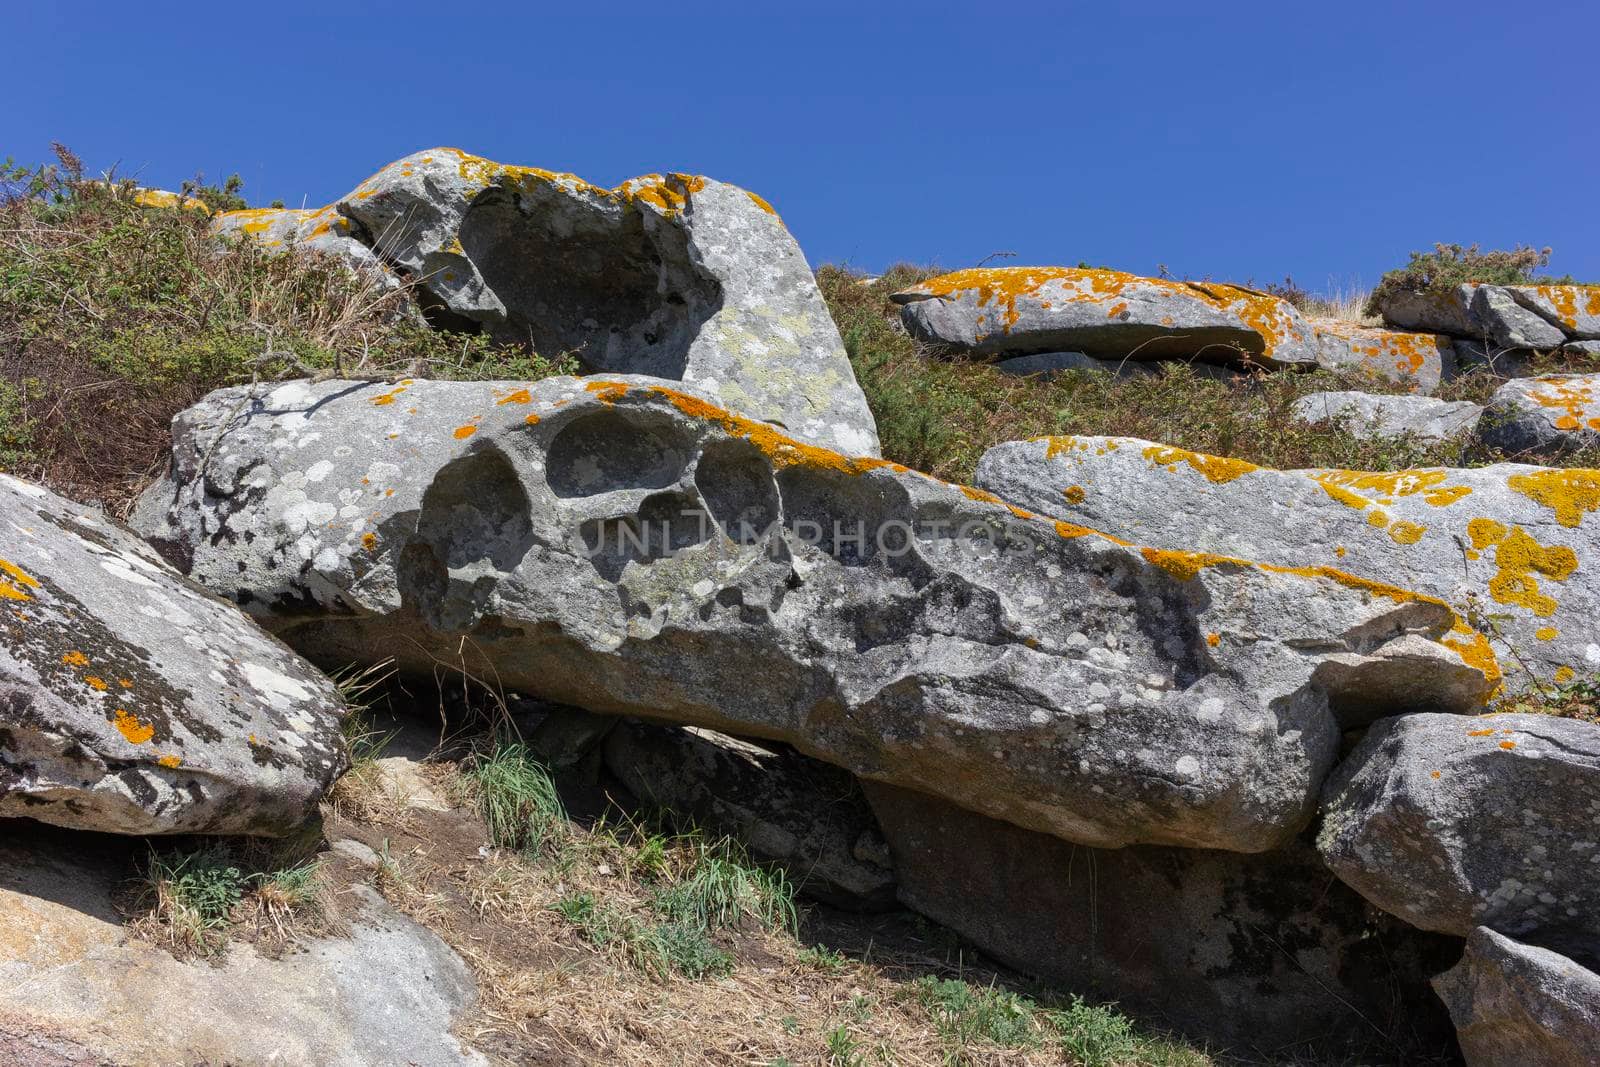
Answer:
(735, 482)
(611, 450)
(590, 278)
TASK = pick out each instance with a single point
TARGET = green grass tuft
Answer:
(517, 798)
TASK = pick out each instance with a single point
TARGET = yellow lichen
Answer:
(75, 659)
(1216, 469)
(1565, 674)
(1074, 494)
(171, 762)
(1571, 493)
(135, 730)
(1547, 633)
(1519, 558)
(1406, 533)
(464, 432)
(15, 582)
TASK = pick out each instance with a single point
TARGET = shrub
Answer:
(1448, 266)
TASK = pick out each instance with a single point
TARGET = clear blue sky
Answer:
(1227, 140)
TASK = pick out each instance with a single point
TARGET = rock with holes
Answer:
(1543, 417)
(1105, 313)
(1453, 823)
(1515, 542)
(680, 277)
(1516, 1004)
(132, 702)
(806, 816)
(1418, 360)
(626, 547)
(1258, 953)
(1376, 415)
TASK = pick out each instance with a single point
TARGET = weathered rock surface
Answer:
(387, 992)
(679, 277)
(322, 230)
(1508, 316)
(1266, 953)
(1543, 417)
(805, 815)
(1517, 540)
(1453, 823)
(595, 541)
(1419, 360)
(1104, 313)
(133, 702)
(1377, 415)
(1516, 1005)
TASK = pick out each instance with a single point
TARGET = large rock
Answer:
(1376, 415)
(1513, 540)
(1507, 316)
(70, 967)
(807, 816)
(1453, 823)
(1516, 1005)
(1418, 360)
(597, 542)
(1543, 418)
(680, 277)
(1262, 953)
(321, 230)
(133, 702)
(1105, 313)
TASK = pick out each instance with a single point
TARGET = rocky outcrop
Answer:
(629, 548)
(69, 967)
(1537, 317)
(1418, 360)
(321, 230)
(132, 702)
(1453, 823)
(680, 277)
(1262, 953)
(1106, 313)
(1513, 539)
(1543, 418)
(1516, 1004)
(1377, 415)
(803, 815)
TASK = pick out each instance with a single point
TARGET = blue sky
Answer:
(1234, 141)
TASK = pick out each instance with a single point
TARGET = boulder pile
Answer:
(1207, 738)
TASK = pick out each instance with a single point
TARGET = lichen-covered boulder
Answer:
(1542, 418)
(680, 277)
(1256, 953)
(626, 547)
(1515, 541)
(1538, 317)
(132, 702)
(1448, 312)
(1455, 822)
(1516, 1005)
(1418, 360)
(1105, 313)
(321, 230)
(806, 816)
(1377, 415)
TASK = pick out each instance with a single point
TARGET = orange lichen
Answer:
(782, 451)
(1519, 558)
(1186, 565)
(608, 392)
(171, 762)
(1407, 533)
(1074, 494)
(1547, 633)
(1384, 486)
(1571, 493)
(1213, 639)
(983, 496)
(369, 541)
(464, 432)
(760, 203)
(134, 729)
(521, 396)
(388, 398)
(532, 420)
(1390, 353)
(1508, 744)
(1475, 651)
(163, 198)
(1573, 397)
(15, 582)
(1565, 674)
(1218, 470)
(75, 659)
(1435, 774)
(94, 682)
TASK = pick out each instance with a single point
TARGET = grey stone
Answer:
(1542, 418)
(133, 702)
(1514, 541)
(1418, 360)
(903, 628)
(1474, 354)
(680, 277)
(387, 992)
(1587, 348)
(1052, 363)
(1508, 324)
(1453, 823)
(1516, 1005)
(1574, 309)
(1105, 313)
(802, 814)
(1448, 313)
(1376, 415)
(1265, 954)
